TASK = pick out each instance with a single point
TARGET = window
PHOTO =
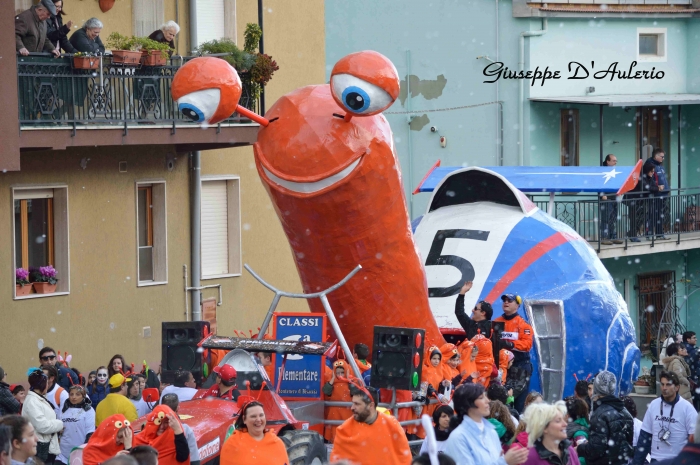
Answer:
(151, 233)
(547, 319)
(40, 232)
(569, 137)
(147, 16)
(651, 44)
(656, 296)
(221, 227)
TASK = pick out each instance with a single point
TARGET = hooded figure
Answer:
(484, 359)
(337, 390)
(467, 366)
(106, 441)
(449, 351)
(165, 436)
(505, 359)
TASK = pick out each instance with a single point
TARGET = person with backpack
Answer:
(612, 428)
(56, 395)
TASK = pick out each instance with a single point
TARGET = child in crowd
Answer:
(578, 427)
(337, 389)
(78, 419)
(19, 393)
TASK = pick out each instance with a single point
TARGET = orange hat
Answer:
(163, 443)
(448, 351)
(103, 443)
(507, 354)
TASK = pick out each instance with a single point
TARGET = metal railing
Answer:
(54, 93)
(634, 217)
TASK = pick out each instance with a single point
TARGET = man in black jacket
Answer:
(480, 320)
(8, 403)
(612, 427)
(66, 376)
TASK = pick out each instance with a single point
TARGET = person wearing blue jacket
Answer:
(660, 197)
(98, 390)
(473, 440)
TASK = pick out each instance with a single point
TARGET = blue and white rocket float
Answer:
(480, 227)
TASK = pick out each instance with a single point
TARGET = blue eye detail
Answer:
(192, 112)
(356, 99)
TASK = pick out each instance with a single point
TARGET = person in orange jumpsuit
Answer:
(517, 337)
(484, 359)
(251, 442)
(370, 438)
(467, 356)
(337, 389)
(164, 432)
(112, 436)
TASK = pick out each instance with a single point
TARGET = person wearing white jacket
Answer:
(78, 419)
(41, 414)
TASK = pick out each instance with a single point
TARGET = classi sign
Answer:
(303, 374)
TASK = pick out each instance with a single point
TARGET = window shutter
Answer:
(214, 228)
(147, 16)
(210, 20)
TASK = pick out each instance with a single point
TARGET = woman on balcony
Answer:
(87, 38)
(166, 35)
(57, 32)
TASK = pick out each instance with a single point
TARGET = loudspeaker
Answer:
(397, 358)
(180, 351)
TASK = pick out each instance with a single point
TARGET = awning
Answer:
(540, 179)
(630, 100)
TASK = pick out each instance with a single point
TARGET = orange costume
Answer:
(467, 366)
(163, 443)
(381, 443)
(340, 393)
(241, 447)
(504, 357)
(448, 351)
(103, 442)
(433, 377)
(519, 332)
(484, 359)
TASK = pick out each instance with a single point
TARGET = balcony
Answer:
(643, 218)
(61, 106)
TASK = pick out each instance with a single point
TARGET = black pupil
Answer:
(190, 113)
(354, 100)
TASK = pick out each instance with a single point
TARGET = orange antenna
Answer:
(243, 111)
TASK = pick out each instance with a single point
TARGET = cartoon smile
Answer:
(309, 184)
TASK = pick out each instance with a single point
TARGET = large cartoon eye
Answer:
(161, 415)
(358, 96)
(118, 424)
(157, 421)
(201, 105)
(127, 423)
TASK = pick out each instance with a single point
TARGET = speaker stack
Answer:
(397, 358)
(180, 351)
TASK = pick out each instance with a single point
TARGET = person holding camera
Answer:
(668, 425)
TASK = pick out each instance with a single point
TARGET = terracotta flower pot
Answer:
(155, 58)
(106, 5)
(86, 62)
(127, 57)
(23, 290)
(44, 288)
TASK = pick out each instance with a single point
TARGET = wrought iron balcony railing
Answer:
(52, 92)
(634, 217)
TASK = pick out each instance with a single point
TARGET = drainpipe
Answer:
(521, 103)
(195, 200)
(499, 110)
(261, 48)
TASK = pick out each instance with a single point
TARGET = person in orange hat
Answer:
(112, 436)
(251, 442)
(164, 432)
(467, 365)
(225, 387)
(450, 363)
(337, 389)
(505, 361)
(368, 437)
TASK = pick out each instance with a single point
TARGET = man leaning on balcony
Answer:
(30, 29)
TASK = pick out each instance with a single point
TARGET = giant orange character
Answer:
(326, 156)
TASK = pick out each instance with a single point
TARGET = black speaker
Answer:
(397, 358)
(180, 351)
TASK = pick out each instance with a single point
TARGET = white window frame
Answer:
(233, 188)
(160, 275)
(662, 55)
(61, 234)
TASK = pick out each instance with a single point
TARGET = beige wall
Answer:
(105, 311)
(102, 218)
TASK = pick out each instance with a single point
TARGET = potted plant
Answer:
(22, 284)
(152, 53)
(643, 383)
(45, 280)
(125, 50)
(83, 60)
